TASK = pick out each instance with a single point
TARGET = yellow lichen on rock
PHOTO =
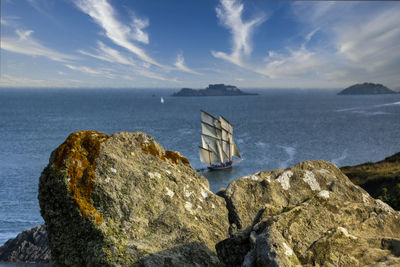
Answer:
(77, 155)
(172, 156)
(175, 157)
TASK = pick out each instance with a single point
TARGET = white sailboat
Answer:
(218, 147)
(162, 100)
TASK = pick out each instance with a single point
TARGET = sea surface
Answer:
(275, 129)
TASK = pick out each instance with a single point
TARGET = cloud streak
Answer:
(24, 43)
(108, 54)
(103, 14)
(229, 13)
(180, 64)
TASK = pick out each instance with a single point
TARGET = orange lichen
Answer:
(78, 156)
(176, 157)
(173, 156)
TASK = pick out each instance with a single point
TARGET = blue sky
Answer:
(180, 43)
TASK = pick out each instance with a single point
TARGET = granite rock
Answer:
(122, 200)
(30, 245)
(309, 214)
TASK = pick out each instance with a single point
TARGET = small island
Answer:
(367, 89)
(213, 90)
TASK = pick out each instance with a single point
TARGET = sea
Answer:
(275, 129)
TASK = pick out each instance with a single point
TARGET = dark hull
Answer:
(226, 166)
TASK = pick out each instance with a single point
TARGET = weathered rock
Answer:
(123, 200)
(310, 214)
(29, 246)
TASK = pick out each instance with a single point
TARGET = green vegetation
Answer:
(380, 179)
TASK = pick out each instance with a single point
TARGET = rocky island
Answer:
(213, 90)
(122, 200)
(367, 89)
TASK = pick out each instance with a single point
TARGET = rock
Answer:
(122, 200)
(380, 179)
(29, 246)
(366, 89)
(213, 90)
(309, 214)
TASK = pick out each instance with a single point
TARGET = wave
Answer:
(370, 113)
(261, 144)
(389, 104)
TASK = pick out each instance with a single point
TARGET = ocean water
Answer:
(275, 129)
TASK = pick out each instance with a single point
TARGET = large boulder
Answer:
(124, 200)
(29, 246)
(309, 214)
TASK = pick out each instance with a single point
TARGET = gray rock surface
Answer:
(123, 200)
(29, 246)
(310, 214)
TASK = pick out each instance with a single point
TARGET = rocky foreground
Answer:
(122, 200)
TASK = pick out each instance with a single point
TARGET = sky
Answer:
(180, 43)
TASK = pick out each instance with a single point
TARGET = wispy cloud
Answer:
(229, 13)
(105, 16)
(296, 63)
(138, 33)
(96, 72)
(180, 64)
(109, 54)
(18, 81)
(24, 43)
(363, 39)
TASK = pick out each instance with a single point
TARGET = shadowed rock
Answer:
(29, 246)
(123, 200)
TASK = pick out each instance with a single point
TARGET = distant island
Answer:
(213, 90)
(367, 89)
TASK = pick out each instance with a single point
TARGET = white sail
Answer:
(213, 145)
(220, 152)
(209, 119)
(205, 155)
(235, 151)
(217, 140)
(210, 130)
(227, 150)
(225, 125)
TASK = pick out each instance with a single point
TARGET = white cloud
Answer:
(91, 71)
(16, 81)
(372, 44)
(25, 44)
(104, 15)
(109, 54)
(180, 64)
(229, 14)
(363, 39)
(138, 33)
(153, 75)
(297, 63)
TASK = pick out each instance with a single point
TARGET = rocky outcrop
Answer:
(29, 246)
(309, 214)
(380, 179)
(124, 200)
(213, 90)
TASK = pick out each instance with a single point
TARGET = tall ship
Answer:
(218, 148)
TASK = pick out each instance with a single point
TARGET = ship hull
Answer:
(221, 167)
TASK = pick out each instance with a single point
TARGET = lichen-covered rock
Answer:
(30, 246)
(310, 214)
(123, 200)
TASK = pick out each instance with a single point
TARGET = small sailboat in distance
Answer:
(218, 147)
(162, 100)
